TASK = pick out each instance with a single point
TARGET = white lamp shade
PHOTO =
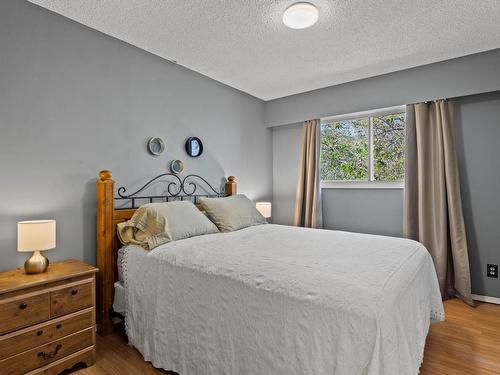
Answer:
(264, 208)
(36, 235)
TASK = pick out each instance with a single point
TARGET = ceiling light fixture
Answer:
(300, 15)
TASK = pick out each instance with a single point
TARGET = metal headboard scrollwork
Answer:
(178, 189)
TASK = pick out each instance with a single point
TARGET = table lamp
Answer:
(264, 208)
(36, 236)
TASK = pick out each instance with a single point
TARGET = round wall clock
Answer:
(194, 147)
(176, 166)
(156, 146)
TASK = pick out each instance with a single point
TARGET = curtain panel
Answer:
(308, 212)
(433, 205)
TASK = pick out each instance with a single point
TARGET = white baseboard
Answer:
(494, 300)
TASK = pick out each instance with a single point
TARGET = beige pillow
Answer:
(232, 213)
(154, 224)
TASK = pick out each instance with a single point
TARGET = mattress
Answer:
(119, 298)
(278, 300)
(119, 263)
(119, 288)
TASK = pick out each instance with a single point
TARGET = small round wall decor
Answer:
(176, 166)
(156, 146)
(194, 147)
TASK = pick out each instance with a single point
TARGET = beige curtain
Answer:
(308, 194)
(433, 205)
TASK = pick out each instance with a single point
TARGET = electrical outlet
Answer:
(492, 270)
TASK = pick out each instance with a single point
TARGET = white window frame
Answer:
(371, 184)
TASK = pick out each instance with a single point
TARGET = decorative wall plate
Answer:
(176, 166)
(194, 147)
(156, 146)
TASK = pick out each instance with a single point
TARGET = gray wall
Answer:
(74, 101)
(286, 146)
(467, 75)
(477, 120)
(380, 211)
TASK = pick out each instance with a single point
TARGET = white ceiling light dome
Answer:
(300, 15)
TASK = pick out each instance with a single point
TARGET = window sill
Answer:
(362, 185)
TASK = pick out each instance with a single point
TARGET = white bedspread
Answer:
(281, 300)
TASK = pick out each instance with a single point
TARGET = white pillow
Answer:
(154, 224)
(232, 213)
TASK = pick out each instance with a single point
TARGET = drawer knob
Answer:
(58, 326)
(23, 305)
(51, 354)
(39, 333)
(74, 291)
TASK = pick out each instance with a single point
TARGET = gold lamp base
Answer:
(36, 263)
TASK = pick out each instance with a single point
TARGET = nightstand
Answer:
(47, 320)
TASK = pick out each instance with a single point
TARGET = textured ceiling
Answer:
(244, 44)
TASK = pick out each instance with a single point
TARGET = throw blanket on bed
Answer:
(282, 300)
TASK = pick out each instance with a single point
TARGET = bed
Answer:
(271, 299)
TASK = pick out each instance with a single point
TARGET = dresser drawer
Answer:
(45, 354)
(28, 338)
(86, 355)
(74, 298)
(23, 311)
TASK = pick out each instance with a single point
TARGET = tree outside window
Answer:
(367, 148)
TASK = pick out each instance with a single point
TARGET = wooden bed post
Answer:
(231, 185)
(105, 238)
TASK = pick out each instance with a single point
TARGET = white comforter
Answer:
(280, 300)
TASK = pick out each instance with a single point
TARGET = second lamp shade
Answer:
(264, 208)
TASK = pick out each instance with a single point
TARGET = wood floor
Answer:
(468, 343)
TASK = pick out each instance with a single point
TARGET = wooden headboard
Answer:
(108, 217)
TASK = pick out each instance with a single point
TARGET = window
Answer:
(365, 148)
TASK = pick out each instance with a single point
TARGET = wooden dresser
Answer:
(47, 320)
